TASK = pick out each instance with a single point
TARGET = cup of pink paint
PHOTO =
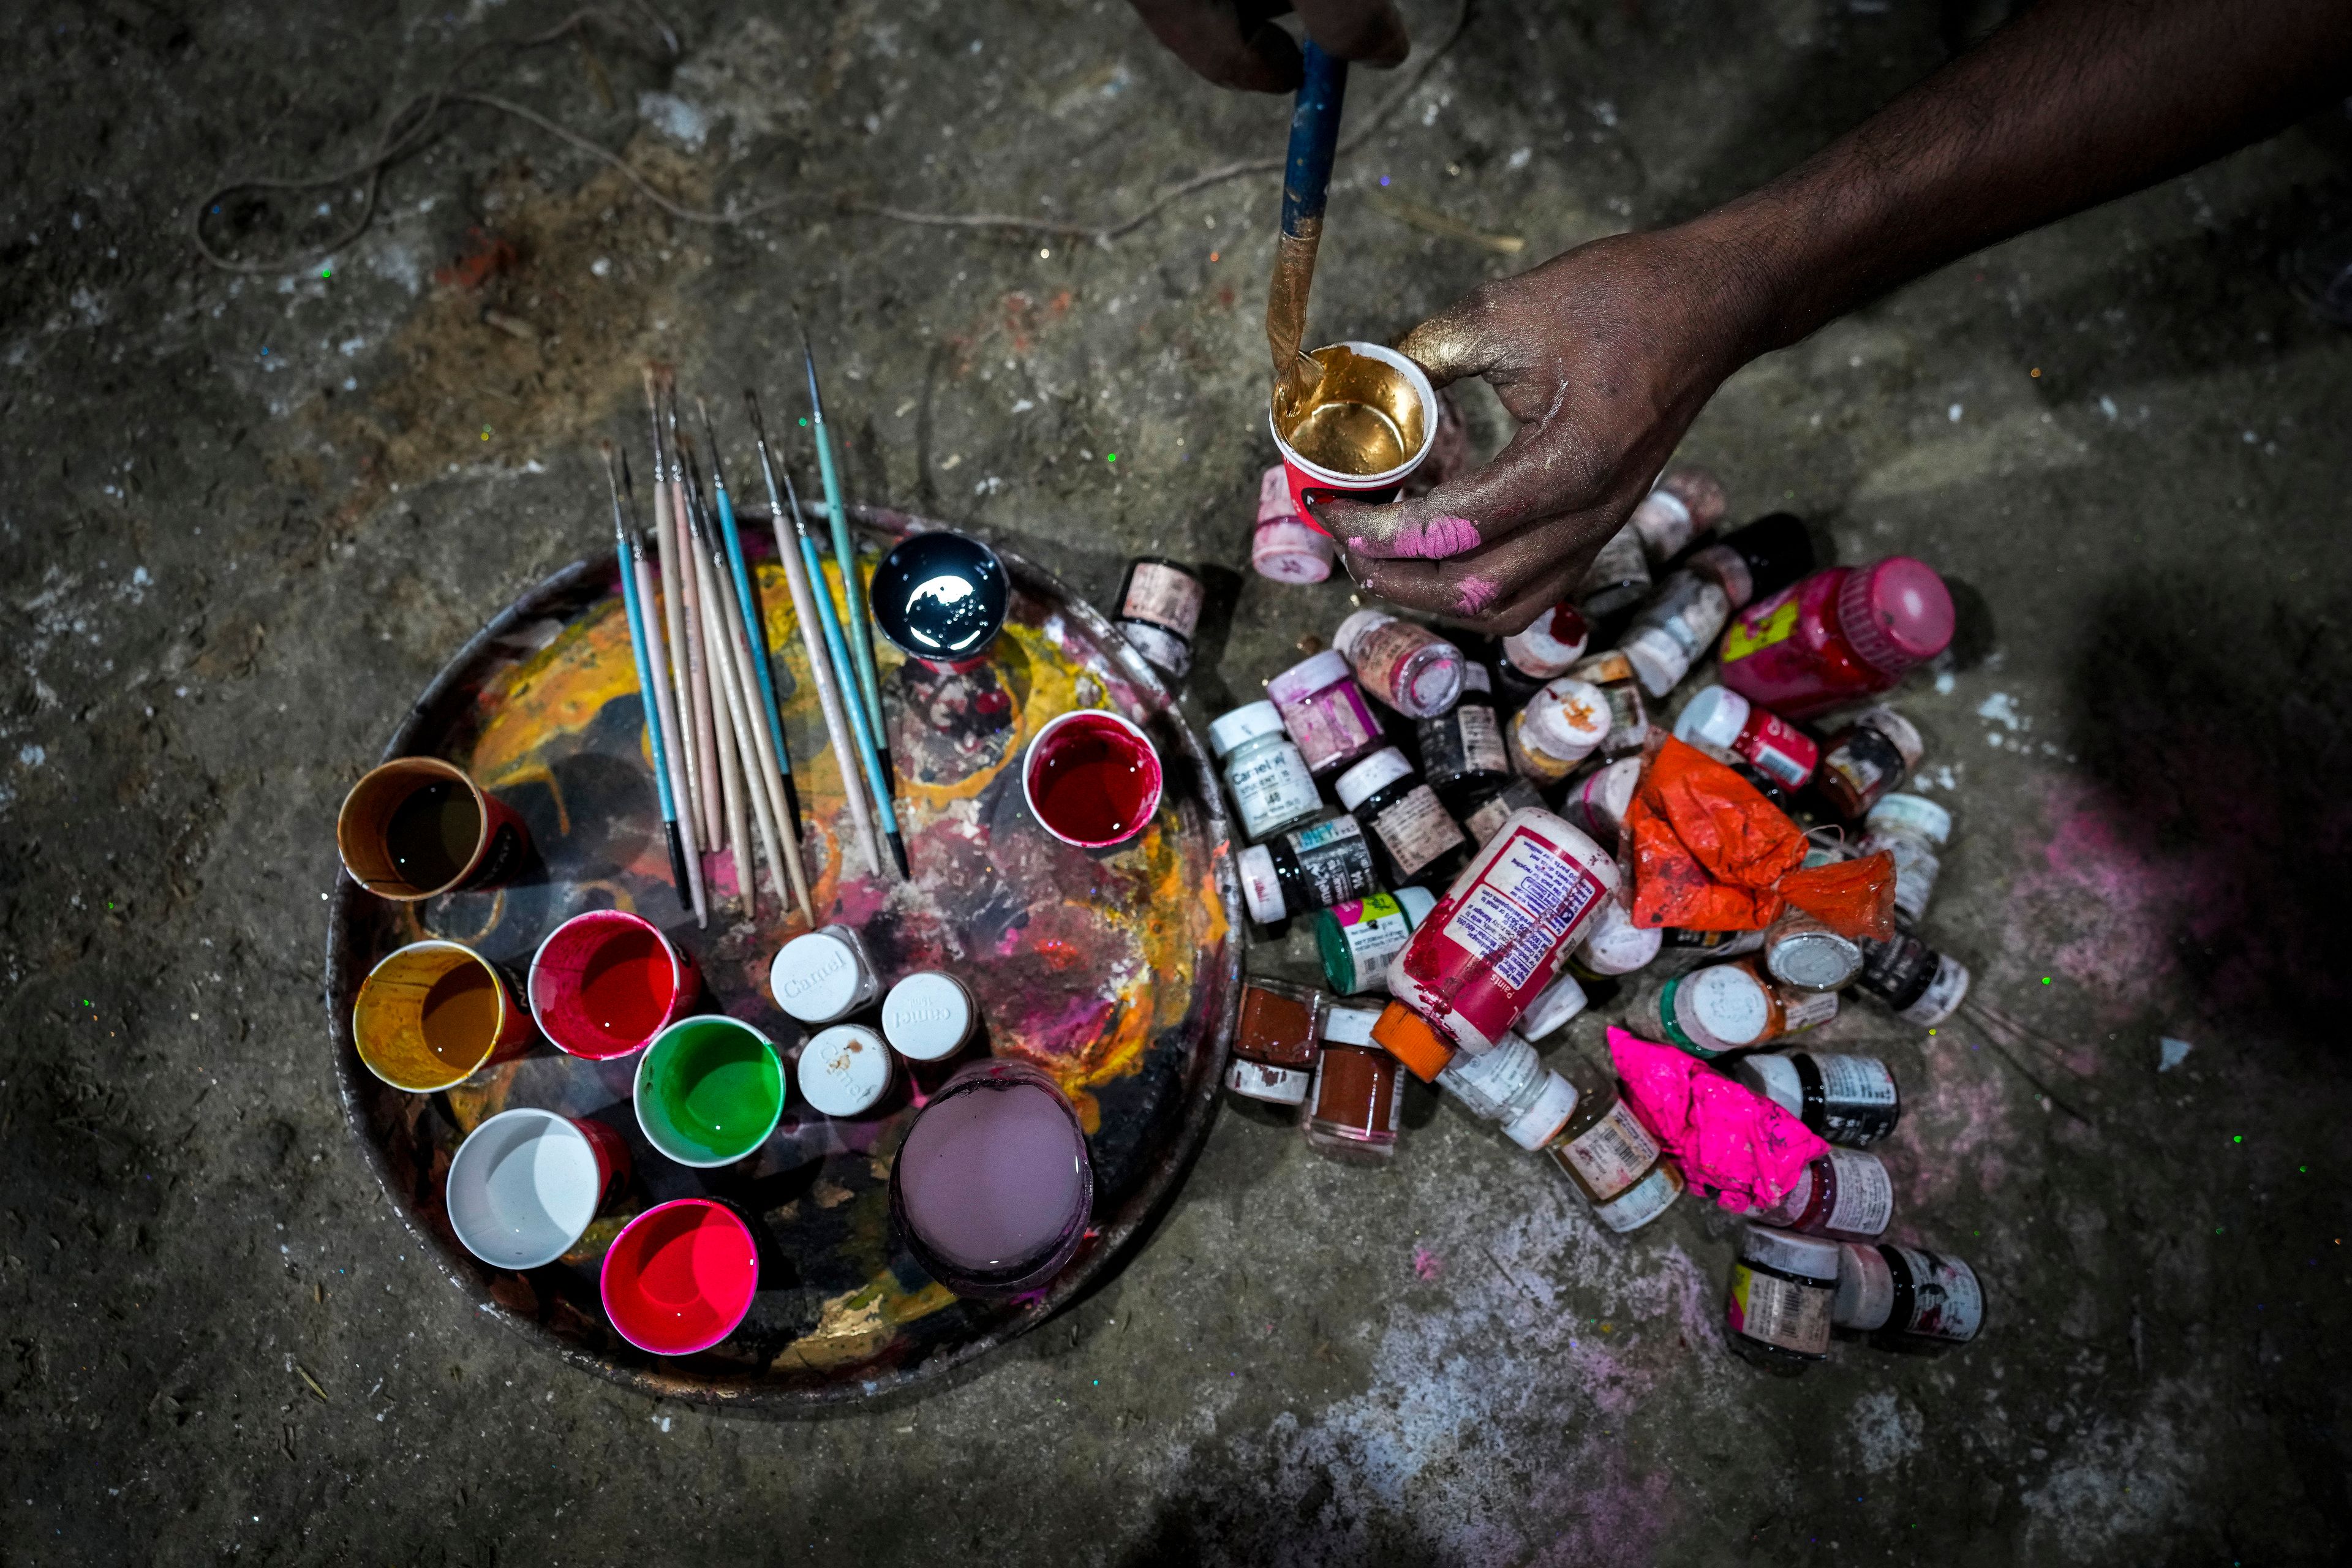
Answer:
(1371, 423)
(606, 982)
(1091, 778)
(992, 1188)
(680, 1277)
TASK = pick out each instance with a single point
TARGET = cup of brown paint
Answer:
(1369, 424)
(434, 1014)
(1092, 778)
(416, 826)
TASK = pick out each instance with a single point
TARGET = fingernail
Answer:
(1477, 593)
(1437, 538)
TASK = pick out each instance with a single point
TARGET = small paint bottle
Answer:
(1159, 610)
(1721, 717)
(1415, 838)
(1838, 636)
(1461, 750)
(1275, 1042)
(1865, 761)
(1406, 1036)
(1284, 546)
(845, 1070)
(1618, 579)
(1326, 713)
(1499, 935)
(1352, 1107)
(1912, 828)
(1628, 718)
(1908, 1298)
(1728, 1007)
(1554, 1005)
(1850, 1101)
(1357, 939)
(1844, 1194)
(822, 975)
(1803, 954)
(1764, 557)
(1486, 812)
(1560, 726)
(1923, 986)
(928, 1016)
(1615, 945)
(1598, 801)
(1685, 506)
(1674, 630)
(1544, 649)
(1401, 662)
(1782, 1290)
(1306, 869)
(1511, 1088)
(1610, 1156)
(1271, 787)
(1682, 951)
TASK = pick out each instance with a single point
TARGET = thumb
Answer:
(1538, 475)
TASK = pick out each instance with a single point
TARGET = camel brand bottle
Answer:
(1356, 938)
(1416, 839)
(1764, 557)
(1610, 1156)
(1772, 745)
(1923, 986)
(1728, 1007)
(1326, 713)
(1685, 506)
(1911, 829)
(1844, 1194)
(1782, 1290)
(1865, 761)
(1401, 662)
(1908, 1298)
(1159, 611)
(1307, 869)
(1271, 787)
(1850, 1101)
(1461, 750)
(1838, 636)
(1499, 935)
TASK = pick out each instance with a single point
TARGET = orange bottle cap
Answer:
(1411, 1041)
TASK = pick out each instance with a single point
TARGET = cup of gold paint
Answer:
(416, 826)
(434, 1014)
(710, 1090)
(1369, 424)
(605, 982)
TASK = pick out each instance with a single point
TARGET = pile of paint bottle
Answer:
(1465, 885)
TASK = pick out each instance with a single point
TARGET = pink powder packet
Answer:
(1731, 1143)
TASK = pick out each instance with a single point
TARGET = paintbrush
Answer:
(652, 695)
(698, 670)
(845, 715)
(755, 624)
(689, 761)
(1305, 186)
(735, 789)
(858, 625)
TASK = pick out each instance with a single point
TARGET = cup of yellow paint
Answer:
(434, 1014)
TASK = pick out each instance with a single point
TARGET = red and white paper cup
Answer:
(1311, 482)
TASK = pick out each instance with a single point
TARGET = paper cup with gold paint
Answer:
(417, 826)
(434, 1014)
(1369, 426)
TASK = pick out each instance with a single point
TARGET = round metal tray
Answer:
(1118, 973)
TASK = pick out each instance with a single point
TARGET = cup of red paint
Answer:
(680, 1276)
(1091, 778)
(525, 1183)
(417, 826)
(605, 983)
(1370, 424)
(432, 1015)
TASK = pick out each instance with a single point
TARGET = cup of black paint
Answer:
(417, 826)
(940, 598)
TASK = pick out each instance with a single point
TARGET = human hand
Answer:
(1234, 43)
(1605, 355)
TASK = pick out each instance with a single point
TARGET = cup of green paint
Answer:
(710, 1090)
(417, 826)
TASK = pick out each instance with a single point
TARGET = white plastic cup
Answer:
(525, 1183)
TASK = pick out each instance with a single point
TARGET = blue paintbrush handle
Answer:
(1314, 138)
(634, 610)
(754, 624)
(845, 675)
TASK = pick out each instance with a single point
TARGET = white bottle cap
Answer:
(1416, 902)
(1228, 733)
(817, 976)
(1554, 1005)
(1350, 1025)
(928, 1016)
(1307, 676)
(1774, 1078)
(1568, 719)
(1865, 1289)
(1355, 629)
(1715, 714)
(1261, 885)
(1914, 814)
(1729, 1006)
(1370, 776)
(1618, 946)
(1257, 1080)
(1541, 1122)
(1808, 1256)
(845, 1069)
(1658, 660)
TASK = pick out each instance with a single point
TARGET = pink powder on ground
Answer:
(1732, 1144)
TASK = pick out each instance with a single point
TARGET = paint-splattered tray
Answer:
(1118, 974)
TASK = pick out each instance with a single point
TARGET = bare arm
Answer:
(1607, 353)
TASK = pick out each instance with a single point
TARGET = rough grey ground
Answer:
(244, 520)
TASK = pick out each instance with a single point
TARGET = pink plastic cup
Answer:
(1091, 778)
(680, 1276)
(606, 982)
(1404, 383)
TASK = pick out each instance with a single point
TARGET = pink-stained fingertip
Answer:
(1437, 538)
(1478, 595)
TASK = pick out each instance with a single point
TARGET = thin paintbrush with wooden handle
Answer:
(755, 624)
(673, 669)
(653, 697)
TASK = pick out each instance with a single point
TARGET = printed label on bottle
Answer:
(1554, 1103)
(1629, 725)
(1257, 1080)
(1803, 1010)
(1916, 869)
(1332, 725)
(1645, 1201)
(1943, 995)
(1760, 625)
(1482, 740)
(1381, 656)
(1162, 595)
(1611, 1154)
(1865, 1197)
(1868, 763)
(1335, 860)
(1273, 496)
(1778, 749)
(1373, 931)
(1776, 1312)
(1947, 1302)
(1521, 910)
(1418, 830)
(1271, 787)
(1859, 1103)
(1487, 820)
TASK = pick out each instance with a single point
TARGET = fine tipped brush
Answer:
(652, 695)
(755, 624)
(673, 669)
(698, 694)
(735, 786)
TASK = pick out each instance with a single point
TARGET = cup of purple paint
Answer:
(992, 1188)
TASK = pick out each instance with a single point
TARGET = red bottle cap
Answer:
(1895, 614)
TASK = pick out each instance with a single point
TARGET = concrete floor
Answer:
(245, 518)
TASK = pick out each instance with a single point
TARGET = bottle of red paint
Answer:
(1838, 636)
